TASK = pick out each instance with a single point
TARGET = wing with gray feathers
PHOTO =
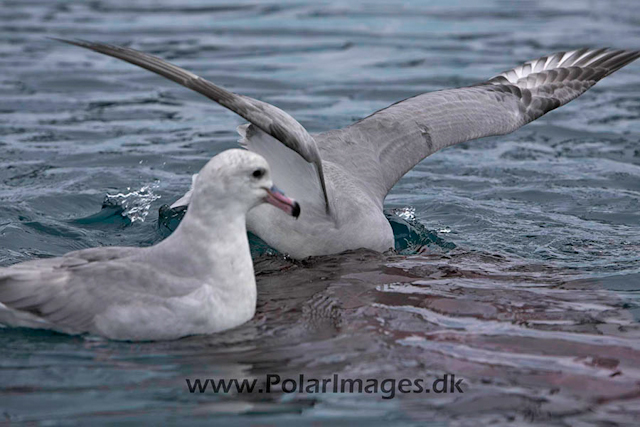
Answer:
(67, 293)
(42, 289)
(381, 148)
(268, 118)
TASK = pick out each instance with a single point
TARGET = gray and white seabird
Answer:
(342, 176)
(199, 280)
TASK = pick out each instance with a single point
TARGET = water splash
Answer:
(408, 213)
(135, 204)
(411, 237)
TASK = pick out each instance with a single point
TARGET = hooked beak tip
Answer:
(279, 200)
(295, 212)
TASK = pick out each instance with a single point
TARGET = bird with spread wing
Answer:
(341, 177)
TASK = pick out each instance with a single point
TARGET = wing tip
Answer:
(606, 58)
(76, 42)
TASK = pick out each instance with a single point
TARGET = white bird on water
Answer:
(342, 176)
(199, 280)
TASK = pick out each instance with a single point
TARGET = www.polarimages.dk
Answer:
(274, 383)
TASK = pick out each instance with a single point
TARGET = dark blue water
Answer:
(522, 275)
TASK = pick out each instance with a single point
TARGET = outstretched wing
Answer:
(381, 148)
(271, 120)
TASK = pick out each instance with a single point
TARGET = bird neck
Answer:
(214, 251)
(211, 242)
(215, 226)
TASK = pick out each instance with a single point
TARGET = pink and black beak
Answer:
(280, 201)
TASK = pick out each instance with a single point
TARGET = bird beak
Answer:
(280, 201)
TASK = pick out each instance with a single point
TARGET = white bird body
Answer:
(199, 280)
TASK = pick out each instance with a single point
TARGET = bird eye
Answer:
(258, 173)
